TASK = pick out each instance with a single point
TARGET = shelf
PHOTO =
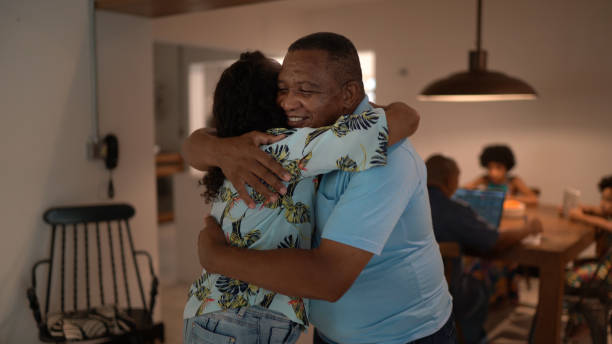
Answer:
(167, 164)
(165, 217)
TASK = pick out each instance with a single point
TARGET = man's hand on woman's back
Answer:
(240, 159)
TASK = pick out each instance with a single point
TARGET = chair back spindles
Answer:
(112, 256)
(123, 265)
(100, 279)
(63, 267)
(75, 265)
(87, 287)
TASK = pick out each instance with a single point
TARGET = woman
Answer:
(221, 309)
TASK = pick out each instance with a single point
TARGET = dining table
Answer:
(560, 242)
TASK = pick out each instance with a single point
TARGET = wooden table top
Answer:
(561, 238)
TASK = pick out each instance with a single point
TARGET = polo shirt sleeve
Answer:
(373, 202)
(356, 142)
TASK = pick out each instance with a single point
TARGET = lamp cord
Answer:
(478, 24)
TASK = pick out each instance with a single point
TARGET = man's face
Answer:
(308, 91)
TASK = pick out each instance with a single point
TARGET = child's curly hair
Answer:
(498, 153)
(606, 182)
(244, 100)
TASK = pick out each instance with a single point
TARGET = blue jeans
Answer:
(246, 325)
(445, 335)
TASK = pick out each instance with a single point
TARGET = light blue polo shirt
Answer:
(401, 295)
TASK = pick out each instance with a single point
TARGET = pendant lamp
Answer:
(477, 84)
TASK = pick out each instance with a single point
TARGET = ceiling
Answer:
(161, 8)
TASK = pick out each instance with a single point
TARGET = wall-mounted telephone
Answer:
(111, 158)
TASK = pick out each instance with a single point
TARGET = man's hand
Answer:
(210, 239)
(241, 161)
(535, 226)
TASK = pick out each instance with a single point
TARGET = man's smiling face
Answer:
(308, 91)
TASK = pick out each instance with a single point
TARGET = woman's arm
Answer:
(403, 121)
(525, 194)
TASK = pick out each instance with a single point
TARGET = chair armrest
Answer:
(154, 282)
(31, 293)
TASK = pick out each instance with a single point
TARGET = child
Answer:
(499, 160)
(221, 309)
(600, 217)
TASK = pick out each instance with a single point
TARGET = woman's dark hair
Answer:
(244, 100)
(498, 153)
(606, 182)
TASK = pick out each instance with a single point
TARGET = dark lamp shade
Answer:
(477, 86)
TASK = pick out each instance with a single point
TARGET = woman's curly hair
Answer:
(606, 182)
(244, 100)
(497, 153)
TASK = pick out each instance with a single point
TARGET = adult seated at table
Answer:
(499, 160)
(457, 222)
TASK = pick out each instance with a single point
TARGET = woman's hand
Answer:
(576, 214)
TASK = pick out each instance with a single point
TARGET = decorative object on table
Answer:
(514, 208)
(571, 200)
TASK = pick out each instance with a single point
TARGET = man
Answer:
(457, 222)
(375, 275)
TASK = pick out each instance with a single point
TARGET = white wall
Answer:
(44, 102)
(560, 47)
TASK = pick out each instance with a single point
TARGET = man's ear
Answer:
(352, 95)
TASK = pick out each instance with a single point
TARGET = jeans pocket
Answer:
(283, 335)
(201, 334)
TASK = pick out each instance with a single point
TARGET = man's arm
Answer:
(240, 159)
(513, 236)
(403, 121)
(323, 273)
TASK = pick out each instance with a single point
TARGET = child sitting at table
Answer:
(499, 160)
(600, 217)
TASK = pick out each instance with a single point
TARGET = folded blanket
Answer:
(98, 322)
